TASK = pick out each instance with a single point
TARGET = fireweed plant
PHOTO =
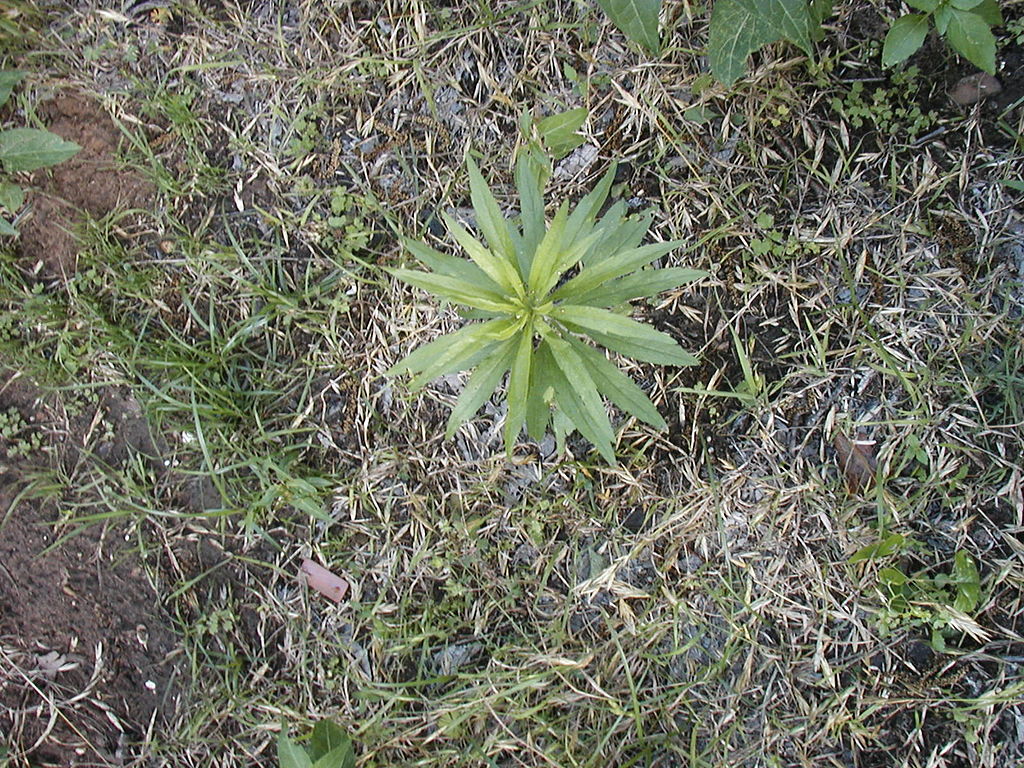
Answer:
(543, 290)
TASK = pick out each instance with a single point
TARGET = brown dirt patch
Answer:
(84, 650)
(90, 183)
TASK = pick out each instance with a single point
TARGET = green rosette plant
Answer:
(543, 290)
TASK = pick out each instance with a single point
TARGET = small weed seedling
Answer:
(534, 320)
(24, 149)
(329, 747)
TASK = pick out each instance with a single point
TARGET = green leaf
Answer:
(578, 398)
(623, 334)
(641, 284)
(6, 229)
(518, 388)
(1016, 184)
(890, 545)
(542, 271)
(905, 36)
(616, 386)
(459, 291)
(327, 736)
(618, 235)
(968, 585)
(12, 197)
(965, 5)
(942, 16)
(498, 269)
(990, 13)
(928, 6)
(637, 20)
(290, 754)
(339, 757)
(559, 132)
(740, 27)
(488, 214)
(481, 385)
(971, 37)
(620, 264)
(8, 79)
(455, 351)
(587, 209)
(538, 407)
(451, 266)
(531, 209)
(26, 149)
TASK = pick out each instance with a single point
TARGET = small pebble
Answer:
(974, 88)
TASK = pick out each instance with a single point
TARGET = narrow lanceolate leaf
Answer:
(905, 36)
(459, 291)
(740, 27)
(971, 37)
(443, 355)
(481, 385)
(26, 149)
(538, 406)
(616, 386)
(500, 270)
(531, 210)
(548, 253)
(637, 19)
(624, 335)
(612, 267)
(488, 214)
(647, 282)
(587, 209)
(618, 235)
(451, 266)
(579, 399)
(568, 259)
(518, 387)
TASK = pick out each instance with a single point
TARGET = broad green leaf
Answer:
(972, 38)
(587, 209)
(990, 13)
(620, 264)
(488, 214)
(905, 36)
(578, 397)
(942, 16)
(928, 6)
(456, 290)
(641, 284)
(8, 79)
(339, 757)
(968, 585)
(531, 210)
(616, 386)
(452, 266)
(498, 269)
(327, 736)
(740, 27)
(559, 132)
(26, 149)
(481, 384)
(12, 197)
(6, 229)
(290, 754)
(965, 5)
(518, 388)
(637, 20)
(548, 254)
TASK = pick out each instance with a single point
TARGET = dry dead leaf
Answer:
(323, 581)
(857, 461)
